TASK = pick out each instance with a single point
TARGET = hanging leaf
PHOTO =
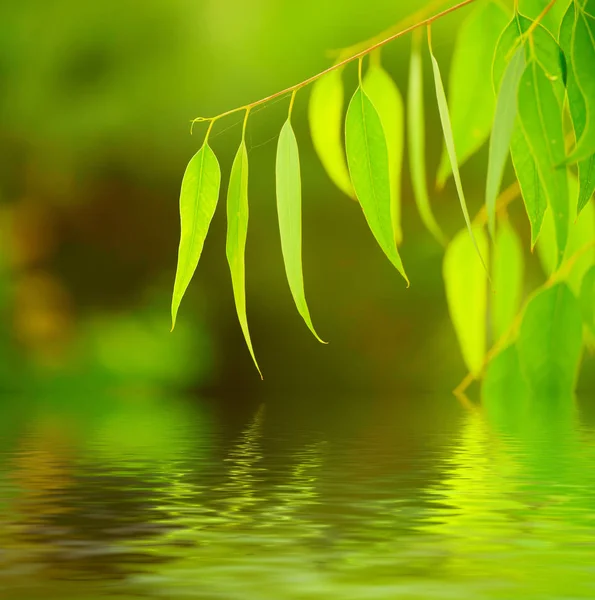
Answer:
(582, 58)
(417, 143)
(466, 293)
(540, 116)
(552, 19)
(326, 125)
(198, 200)
(507, 279)
(387, 100)
(237, 231)
(550, 340)
(472, 106)
(367, 157)
(578, 111)
(500, 139)
(289, 209)
(587, 299)
(450, 147)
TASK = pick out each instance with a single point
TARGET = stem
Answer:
(342, 63)
(291, 103)
(245, 123)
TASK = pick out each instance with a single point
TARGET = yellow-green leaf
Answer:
(417, 143)
(387, 100)
(367, 157)
(237, 232)
(326, 125)
(470, 95)
(552, 19)
(507, 279)
(289, 209)
(587, 299)
(450, 148)
(198, 200)
(466, 293)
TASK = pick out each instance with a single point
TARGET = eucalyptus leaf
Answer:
(289, 209)
(503, 126)
(550, 341)
(507, 279)
(540, 116)
(578, 110)
(386, 98)
(325, 114)
(552, 19)
(198, 201)
(450, 147)
(470, 96)
(587, 299)
(466, 293)
(237, 232)
(417, 143)
(367, 157)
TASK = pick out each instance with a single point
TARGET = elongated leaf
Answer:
(578, 110)
(198, 200)
(550, 340)
(582, 58)
(504, 120)
(387, 100)
(466, 294)
(587, 299)
(450, 147)
(551, 21)
(507, 279)
(417, 143)
(367, 157)
(540, 115)
(472, 106)
(326, 125)
(237, 232)
(289, 209)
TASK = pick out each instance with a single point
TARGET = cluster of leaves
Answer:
(538, 76)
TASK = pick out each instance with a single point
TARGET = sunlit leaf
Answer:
(582, 58)
(550, 340)
(587, 299)
(417, 143)
(507, 279)
(289, 209)
(325, 114)
(470, 95)
(367, 156)
(198, 200)
(450, 147)
(466, 293)
(386, 98)
(237, 231)
(552, 19)
(504, 120)
(540, 116)
(578, 111)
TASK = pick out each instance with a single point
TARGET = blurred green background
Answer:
(96, 100)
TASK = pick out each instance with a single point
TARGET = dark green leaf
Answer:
(198, 200)
(289, 209)
(367, 157)
(237, 231)
(550, 340)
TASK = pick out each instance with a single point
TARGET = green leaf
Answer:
(289, 209)
(470, 96)
(325, 114)
(367, 157)
(504, 121)
(587, 299)
(466, 293)
(417, 143)
(198, 200)
(578, 111)
(552, 19)
(450, 147)
(582, 58)
(540, 116)
(581, 231)
(507, 279)
(387, 100)
(550, 341)
(237, 231)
